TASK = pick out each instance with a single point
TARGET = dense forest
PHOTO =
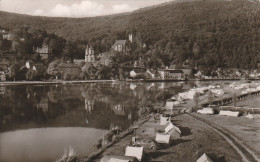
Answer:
(207, 33)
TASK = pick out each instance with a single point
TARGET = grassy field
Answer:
(243, 128)
(253, 102)
(196, 139)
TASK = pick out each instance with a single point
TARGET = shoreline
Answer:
(105, 81)
(53, 82)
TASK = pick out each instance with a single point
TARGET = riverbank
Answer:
(105, 81)
(54, 82)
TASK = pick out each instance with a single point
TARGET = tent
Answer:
(187, 95)
(207, 111)
(164, 120)
(169, 105)
(112, 158)
(162, 138)
(134, 151)
(204, 158)
(249, 116)
(171, 126)
(174, 131)
(217, 91)
(229, 113)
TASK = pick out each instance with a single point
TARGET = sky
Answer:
(74, 8)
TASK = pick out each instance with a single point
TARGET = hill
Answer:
(207, 33)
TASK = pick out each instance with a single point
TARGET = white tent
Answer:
(169, 105)
(162, 138)
(164, 120)
(187, 95)
(204, 158)
(211, 86)
(134, 151)
(171, 126)
(229, 113)
(206, 111)
(133, 74)
(249, 116)
(217, 91)
(115, 158)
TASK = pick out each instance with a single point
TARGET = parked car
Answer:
(146, 143)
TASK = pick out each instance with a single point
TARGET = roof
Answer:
(170, 127)
(134, 151)
(172, 67)
(63, 65)
(175, 71)
(162, 138)
(119, 42)
(204, 158)
(172, 70)
(114, 158)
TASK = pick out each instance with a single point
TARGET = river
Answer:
(37, 122)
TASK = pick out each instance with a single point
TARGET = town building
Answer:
(79, 61)
(3, 31)
(28, 64)
(70, 71)
(89, 56)
(2, 76)
(9, 36)
(44, 51)
(119, 46)
(171, 73)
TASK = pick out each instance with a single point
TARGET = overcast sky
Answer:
(74, 8)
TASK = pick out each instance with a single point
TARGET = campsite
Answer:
(196, 133)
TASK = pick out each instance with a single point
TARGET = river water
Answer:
(37, 122)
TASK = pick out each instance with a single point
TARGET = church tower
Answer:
(89, 54)
(130, 37)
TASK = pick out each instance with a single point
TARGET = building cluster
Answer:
(43, 51)
(186, 72)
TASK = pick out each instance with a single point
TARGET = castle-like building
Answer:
(90, 54)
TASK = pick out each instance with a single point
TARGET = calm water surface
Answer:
(37, 122)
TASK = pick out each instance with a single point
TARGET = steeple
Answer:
(130, 37)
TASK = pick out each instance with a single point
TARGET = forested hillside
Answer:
(207, 33)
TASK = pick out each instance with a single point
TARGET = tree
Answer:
(69, 51)
(13, 71)
(52, 68)
(5, 45)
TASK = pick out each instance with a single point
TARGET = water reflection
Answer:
(24, 107)
(40, 111)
